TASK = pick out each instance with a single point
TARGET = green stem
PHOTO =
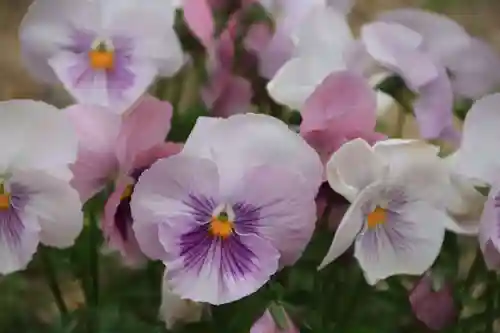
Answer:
(475, 268)
(51, 276)
(94, 258)
(490, 302)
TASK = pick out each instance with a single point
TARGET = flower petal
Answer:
(271, 143)
(442, 36)
(477, 156)
(287, 214)
(15, 254)
(344, 102)
(144, 127)
(296, 81)
(198, 16)
(56, 206)
(488, 227)
(475, 70)
(97, 129)
(397, 48)
(354, 167)
(163, 191)
(408, 243)
(349, 227)
(434, 109)
(218, 271)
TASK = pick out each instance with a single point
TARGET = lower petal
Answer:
(408, 243)
(216, 270)
(19, 238)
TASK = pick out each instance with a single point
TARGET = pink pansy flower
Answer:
(225, 93)
(230, 209)
(117, 148)
(266, 324)
(118, 221)
(342, 108)
(92, 48)
(37, 205)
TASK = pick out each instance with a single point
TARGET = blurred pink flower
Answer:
(109, 143)
(266, 324)
(112, 148)
(435, 308)
(342, 108)
(199, 18)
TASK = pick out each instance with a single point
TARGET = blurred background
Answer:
(480, 17)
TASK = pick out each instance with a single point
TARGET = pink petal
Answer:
(129, 248)
(97, 129)
(344, 101)
(198, 16)
(144, 127)
(162, 150)
(258, 37)
(235, 99)
(266, 324)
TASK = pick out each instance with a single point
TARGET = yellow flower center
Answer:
(4, 198)
(101, 59)
(127, 192)
(221, 226)
(376, 217)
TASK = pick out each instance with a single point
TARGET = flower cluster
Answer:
(237, 202)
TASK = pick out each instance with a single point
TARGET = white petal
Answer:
(37, 135)
(47, 27)
(408, 245)
(353, 167)
(55, 204)
(254, 140)
(174, 309)
(478, 156)
(314, 37)
(296, 80)
(350, 226)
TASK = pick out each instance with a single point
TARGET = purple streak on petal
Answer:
(236, 258)
(121, 78)
(247, 218)
(202, 207)
(11, 225)
(195, 247)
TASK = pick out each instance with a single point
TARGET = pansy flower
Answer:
(37, 205)
(397, 216)
(115, 148)
(230, 209)
(478, 159)
(96, 51)
(266, 324)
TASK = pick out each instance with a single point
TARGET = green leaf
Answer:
(182, 124)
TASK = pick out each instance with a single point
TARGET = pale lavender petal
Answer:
(285, 213)
(19, 232)
(475, 70)
(215, 270)
(489, 230)
(434, 108)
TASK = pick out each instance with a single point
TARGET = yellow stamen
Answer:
(4, 198)
(101, 59)
(127, 192)
(220, 226)
(378, 216)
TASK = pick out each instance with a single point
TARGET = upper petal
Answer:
(354, 167)
(287, 211)
(478, 154)
(296, 80)
(37, 136)
(255, 140)
(344, 101)
(198, 16)
(397, 48)
(442, 36)
(145, 126)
